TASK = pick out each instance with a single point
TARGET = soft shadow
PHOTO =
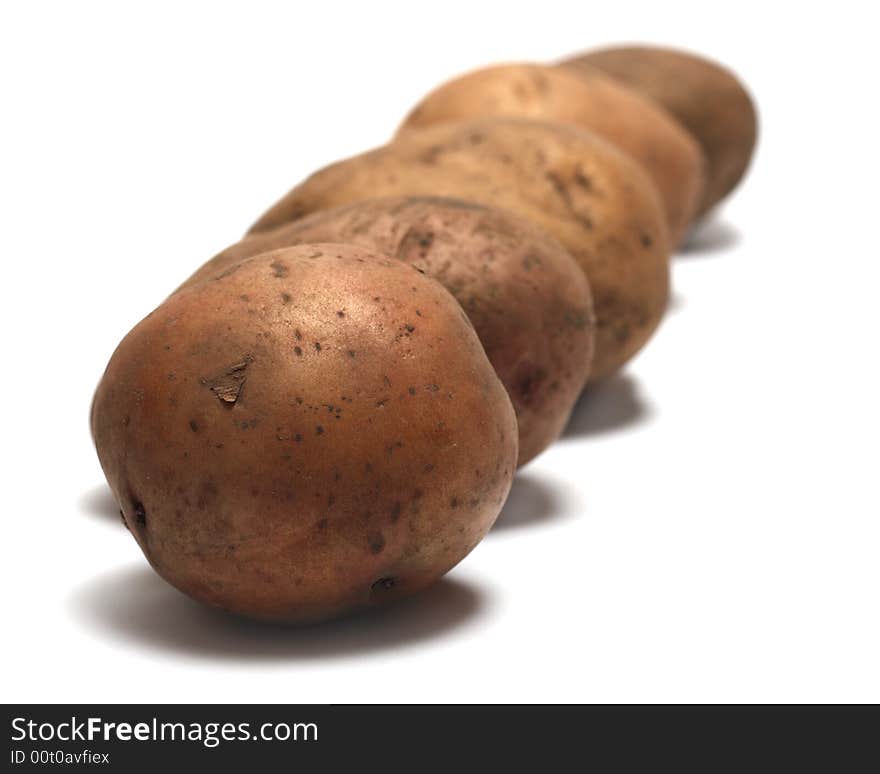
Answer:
(609, 405)
(100, 503)
(531, 502)
(137, 607)
(709, 236)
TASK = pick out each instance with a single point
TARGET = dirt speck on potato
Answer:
(227, 385)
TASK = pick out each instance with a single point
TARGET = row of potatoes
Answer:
(328, 415)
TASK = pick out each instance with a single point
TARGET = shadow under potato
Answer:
(531, 502)
(100, 503)
(676, 303)
(609, 405)
(712, 235)
(136, 606)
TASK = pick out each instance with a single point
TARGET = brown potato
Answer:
(590, 99)
(708, 99)
(581, 189)
(526, 297)
(314, 431)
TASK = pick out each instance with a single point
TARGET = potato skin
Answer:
(705, 97)
(590, 99)
(528, 300)
(593, 198)
(315, 431)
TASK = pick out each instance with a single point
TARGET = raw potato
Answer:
(591, 100)
(708, 99)
(526, 297)
(593, 198)
(316, 431)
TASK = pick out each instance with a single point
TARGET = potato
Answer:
(706, 98)
(526, 297)
(592, 197)
(591, 100)
(314, 431)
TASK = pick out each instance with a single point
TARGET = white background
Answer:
(706, 531)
